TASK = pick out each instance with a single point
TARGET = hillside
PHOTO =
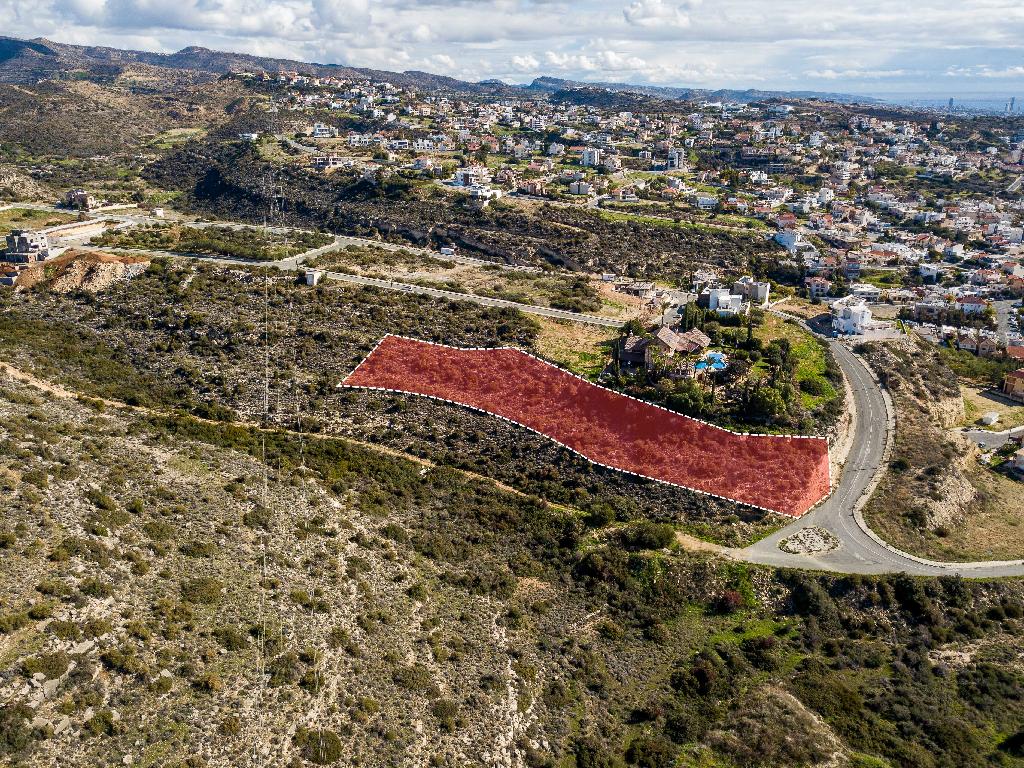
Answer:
(27, 61)
(191, 589)
(555, 84)
(82, 119)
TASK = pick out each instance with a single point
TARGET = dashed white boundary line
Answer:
(570, 448)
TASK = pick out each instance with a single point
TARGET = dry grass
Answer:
(979, 401)
(801, 308)
(993, 528)
(583, 349)
(621, 305)
(29, 218)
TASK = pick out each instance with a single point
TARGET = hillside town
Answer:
(867, 214)
(526, 385)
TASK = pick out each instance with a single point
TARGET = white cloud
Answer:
(1014, 72)
(526, 63)
(842, 45)
(658, 13)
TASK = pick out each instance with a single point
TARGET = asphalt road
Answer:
(860, 550)
(293, 264)
(992, 440)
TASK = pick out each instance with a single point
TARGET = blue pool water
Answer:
(713, 360)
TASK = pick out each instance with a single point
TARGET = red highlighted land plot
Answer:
(781, 474)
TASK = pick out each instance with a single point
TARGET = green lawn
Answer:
(881, 278)
(810, 357)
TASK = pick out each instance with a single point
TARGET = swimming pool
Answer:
(713, 360)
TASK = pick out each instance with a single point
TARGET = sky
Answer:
(852, 46)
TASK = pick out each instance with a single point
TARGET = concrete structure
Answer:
(80, 200)
(590, 157)
(323, 162)
(722, 300)
(850, 318)
(754, 291)
(472, 175)
(866, 291)
(25, 246)
(817, 287)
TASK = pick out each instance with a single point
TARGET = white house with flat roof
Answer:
(850, 316)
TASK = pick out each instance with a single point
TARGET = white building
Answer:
(866, 291)
(590, 157)
(724, 302)
(789, 239)
(322, 131)
(677, 159)
(472, 175)
(850, 317)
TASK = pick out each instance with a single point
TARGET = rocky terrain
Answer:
(229, 180)
(927, 492)
(184, 581)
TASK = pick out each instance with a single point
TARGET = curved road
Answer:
(860, 550)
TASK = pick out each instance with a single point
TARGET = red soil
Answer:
(781, 474)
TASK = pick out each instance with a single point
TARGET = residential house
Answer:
(1013, 385)
(80, 200)
(325, 162)
(670, 343)
(633, 349)
(322, 131)
(866, 291)
(643, 289)
(721, 300)
(754, 291)
(817, 287)
(850, 317)
(1018, 460)
(972, 305)
(590, 157)
(472, 175)
(536, 187)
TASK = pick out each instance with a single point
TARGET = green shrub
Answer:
(647, 535)
(197, 548)
(53, 665)
(414, 678)
(101, 724)
(322, 747)
(446, 711)
(203, 590)
(232, 638)
(97, 588)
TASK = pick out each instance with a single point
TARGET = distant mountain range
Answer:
(28, 61)
(555, 84)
